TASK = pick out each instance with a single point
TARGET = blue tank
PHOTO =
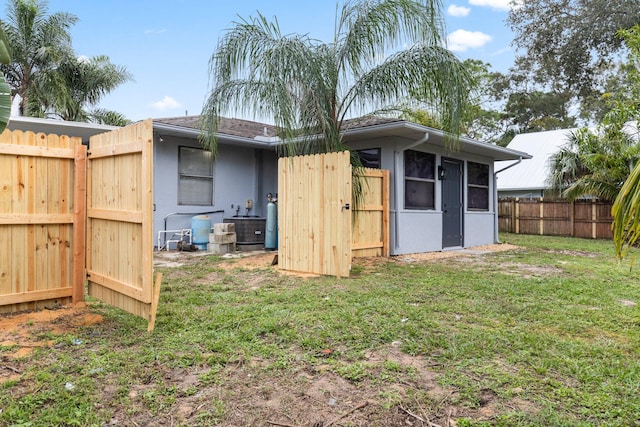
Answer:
(200, 229)
(271, 232)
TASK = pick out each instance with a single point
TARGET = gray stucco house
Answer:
(439, 198)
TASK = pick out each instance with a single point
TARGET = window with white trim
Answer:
(195, 176)
(419, 180)
(477, 186)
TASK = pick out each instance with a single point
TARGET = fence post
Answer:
(517, 221)
(594, 219)
(79, 222)
(572, 216)
(541, 216)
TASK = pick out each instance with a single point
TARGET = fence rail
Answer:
(589, 219)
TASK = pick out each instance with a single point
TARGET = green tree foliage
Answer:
(77, 85)
(480, 119)
(569, 45)
(45, 72)
(37, 41)
(307, 88)
(594, 163)
(626, 112)
(537, 111)
(500, 107)
(5, 90)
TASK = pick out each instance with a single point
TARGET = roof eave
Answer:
(192, 133)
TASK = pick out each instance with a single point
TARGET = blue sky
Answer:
(166, 44)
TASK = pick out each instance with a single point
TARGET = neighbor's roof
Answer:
(57, 127)
(531, 174)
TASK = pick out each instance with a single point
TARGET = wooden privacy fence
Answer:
(41, 220)
(68, 214)
(589, 219)
(319, 232)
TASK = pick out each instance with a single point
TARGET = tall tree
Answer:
(594, 163)
(626, 114)
(37, 42)
(77, 85)
(568, 45)
(307, 88)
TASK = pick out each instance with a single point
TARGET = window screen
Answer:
(195, 177)
(477, 186)
(419, 180)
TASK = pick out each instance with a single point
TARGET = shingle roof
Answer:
(227, 126)
(250, 129)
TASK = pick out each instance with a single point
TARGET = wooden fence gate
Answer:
(67, 215)
(319, 231)
(119, 253)
(41, 259)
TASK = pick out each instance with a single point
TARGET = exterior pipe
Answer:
(496, 237)
(396, 167)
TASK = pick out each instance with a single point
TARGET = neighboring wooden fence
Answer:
(589, 219)
(41, 220)
(319, 232)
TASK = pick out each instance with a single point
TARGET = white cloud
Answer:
(167, 103)
(164, 30)
(454, 10)
(461, 40)
(496, 4)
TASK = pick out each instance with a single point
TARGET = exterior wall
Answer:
(239, 174)
(414, 231)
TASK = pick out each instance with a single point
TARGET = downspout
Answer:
(496, 237)
(397, 166)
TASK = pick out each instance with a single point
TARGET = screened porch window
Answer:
(370, 157)
(477, 186)
(195, 177)
(419, 180)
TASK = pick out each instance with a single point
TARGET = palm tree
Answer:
(594, 164)
(37, 42)
(77, 84)
(5, 90)
(308, 88)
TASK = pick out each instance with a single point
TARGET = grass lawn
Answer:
(547, 334)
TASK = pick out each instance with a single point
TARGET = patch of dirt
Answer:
(21, 334)
(252, 394)
(457, 253)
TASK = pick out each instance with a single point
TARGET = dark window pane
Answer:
(370, 158)
(418, 194)
(419, 165)
(478, 198)
(478, 174)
